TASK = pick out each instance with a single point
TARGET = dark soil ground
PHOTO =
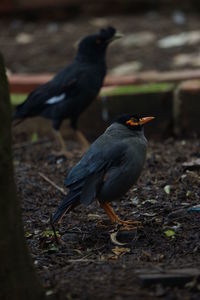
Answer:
(88, 265)
(51, 46)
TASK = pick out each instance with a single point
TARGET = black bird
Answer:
(109, 168)
(72, 90)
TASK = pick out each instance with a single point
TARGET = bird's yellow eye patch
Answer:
(132, 122)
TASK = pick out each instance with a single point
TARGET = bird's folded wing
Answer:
(87, 176)
(60, 88)
(96, 160)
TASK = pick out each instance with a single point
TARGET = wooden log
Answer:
(173, 277)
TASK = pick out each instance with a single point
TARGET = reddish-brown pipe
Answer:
(25, 83)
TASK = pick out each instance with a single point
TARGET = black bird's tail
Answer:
(68, 203)
(20, 113)
(16, 121)
(17, 116)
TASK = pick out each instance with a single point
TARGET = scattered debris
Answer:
(151, 201)
(170, 233)
(135, 201)
(138, 39)
(167, 189)
(34, 137)
(188, 194)
(181, 39)
(49, 293)
(24, 38)
(94, 217)
(119, 251)
(176, 227)
(28, 234)
(99, 22)
(183, 60)
(53, 183)
(148, 214)
(49, 233)
(60, 160)
(126, 68)
(113, 237)
(185, 203)
(126, 236)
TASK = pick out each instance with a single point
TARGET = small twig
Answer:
(53, 183)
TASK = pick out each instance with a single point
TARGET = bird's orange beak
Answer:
(145, 120)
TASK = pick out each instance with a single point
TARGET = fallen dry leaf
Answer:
(167, 189)
(119, 251)
(94, 217)
(113, 237)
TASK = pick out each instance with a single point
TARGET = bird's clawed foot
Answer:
(129, 224)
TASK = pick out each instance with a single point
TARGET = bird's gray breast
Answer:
(119, 179)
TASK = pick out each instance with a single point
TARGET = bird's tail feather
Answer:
(69, 202)
(17, 117)
(17, 122)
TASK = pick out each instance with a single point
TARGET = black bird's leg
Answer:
(54, 231)
(82, 140)
(79, 135)
(63, 151)
(129, 224)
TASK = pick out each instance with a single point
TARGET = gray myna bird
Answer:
(109, 168)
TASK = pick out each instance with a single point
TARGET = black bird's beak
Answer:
(145, 120)
(118, 35)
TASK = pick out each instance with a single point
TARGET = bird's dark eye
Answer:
(135, 120)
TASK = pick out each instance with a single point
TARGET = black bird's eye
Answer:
(98, 41)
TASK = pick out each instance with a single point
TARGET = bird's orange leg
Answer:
(129, 224)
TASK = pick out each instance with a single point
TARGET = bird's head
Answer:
(133, 122)
(93, 47)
